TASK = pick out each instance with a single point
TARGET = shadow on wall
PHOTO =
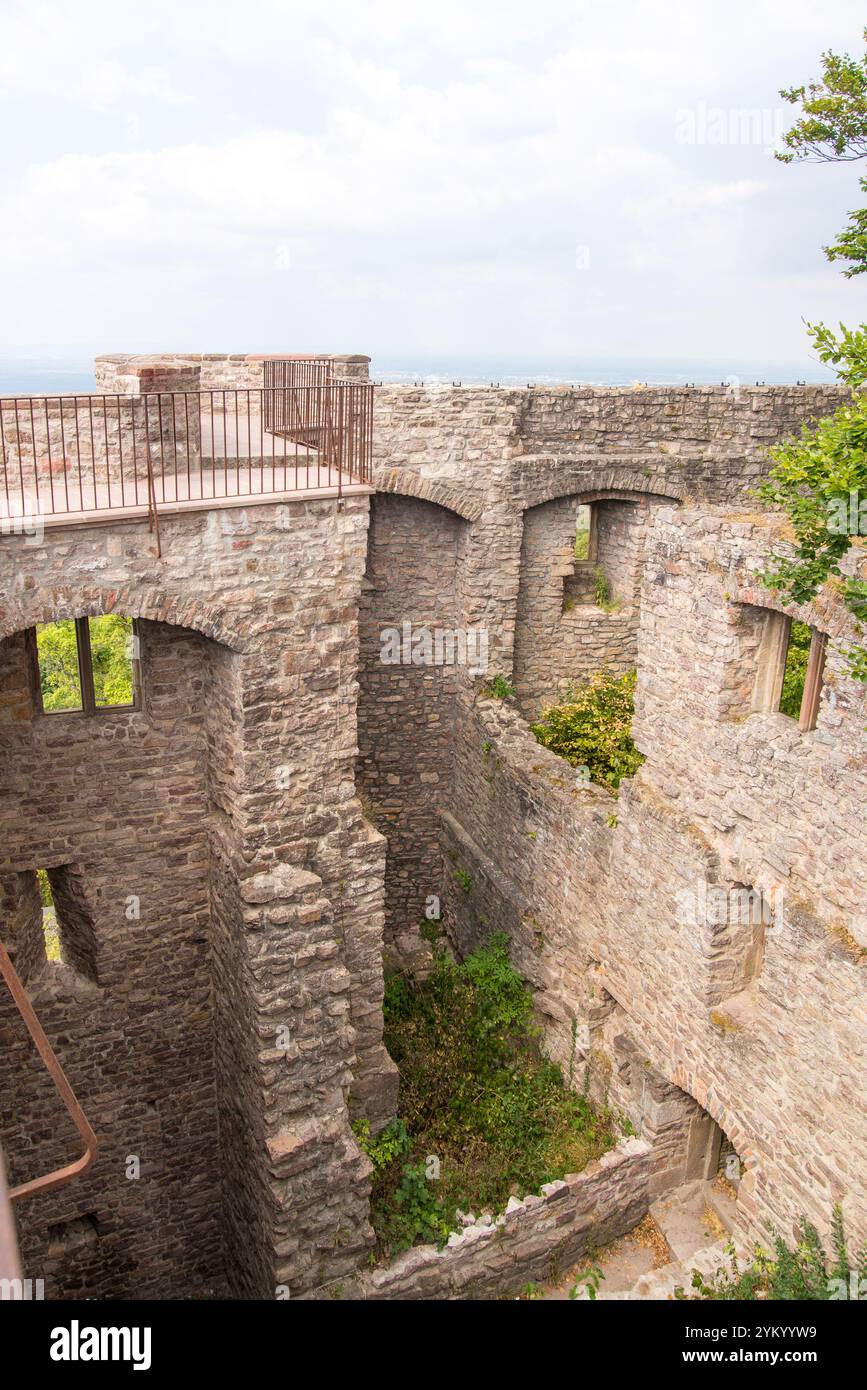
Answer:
(406, 710)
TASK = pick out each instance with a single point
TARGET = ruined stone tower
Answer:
(234, 857)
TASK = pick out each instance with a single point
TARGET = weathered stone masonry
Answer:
(228, 1034)
(228, 806)
(763, 1040)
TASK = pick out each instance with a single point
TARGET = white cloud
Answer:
(404, 172)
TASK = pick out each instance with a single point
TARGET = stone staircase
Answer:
(696, 1221)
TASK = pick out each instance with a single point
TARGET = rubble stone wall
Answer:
(755, 1030)
(537, 1238)
(227, 805)
(229, 1034)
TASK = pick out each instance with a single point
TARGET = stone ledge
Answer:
(533, 1236)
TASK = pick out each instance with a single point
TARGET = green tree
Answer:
(820, 478)
(832, 127)
(111, 662)
(111, 656)
(820, 481)
(795, 676)
(59, 678)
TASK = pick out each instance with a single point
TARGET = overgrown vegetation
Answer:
(820, 478)
(464, 879)
(483, 1116)
(795, 674)
(602, 595)
(802, 1271)
(592, 728)
(820, 481)
(499, 688)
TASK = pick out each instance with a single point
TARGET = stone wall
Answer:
(406, 710)
(228, 806)
(756, 1033)
(119, 797)
(235, 799)
(537, 1238)
(591, 889)
(708, 441)
(240, 371)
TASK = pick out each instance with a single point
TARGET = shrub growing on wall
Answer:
(592, 728)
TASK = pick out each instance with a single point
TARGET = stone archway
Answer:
(579, 612)
(118, 808)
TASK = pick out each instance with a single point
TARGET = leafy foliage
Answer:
(476, 1097)
(464, 880)
(587, 1283)
(59, 679)
(110, 645)
(847, 354)
(602, 590)
(795, 675)
(592, 728)
(803, 1271)
(814, 479)
(111, 649)
(44, 888)
(50, 927)
(815, 475)
(499, 688)
(832, 127)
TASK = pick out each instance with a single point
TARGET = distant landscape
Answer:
(40, 375)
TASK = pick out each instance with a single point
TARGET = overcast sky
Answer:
(542, 177)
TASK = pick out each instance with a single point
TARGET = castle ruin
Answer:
(234, 858)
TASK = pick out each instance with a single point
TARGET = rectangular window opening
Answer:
(113, 658)
(50, 925)
(585, 533)
(59, 666)
(795, 669)
(791, 670)
(85, 665)
(67, 923)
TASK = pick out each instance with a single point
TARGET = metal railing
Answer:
(286, 411)
(71, 454)
(58, 1176)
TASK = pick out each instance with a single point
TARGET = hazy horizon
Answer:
(41, 373)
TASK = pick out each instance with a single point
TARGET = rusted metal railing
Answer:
(71, 454)
(289, 411)
(58, 1076)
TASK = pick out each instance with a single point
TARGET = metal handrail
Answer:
(66, 455)
(71, 1170)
